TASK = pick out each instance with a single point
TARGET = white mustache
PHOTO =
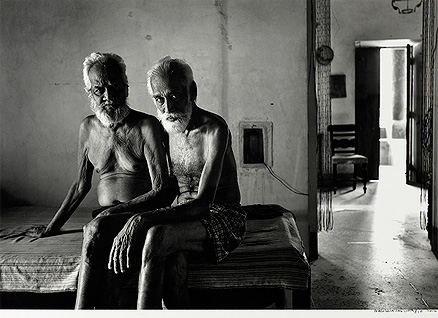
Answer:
(108, 105)
(175, 116)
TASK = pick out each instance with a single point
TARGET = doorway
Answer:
(387, 95)
(393, 108)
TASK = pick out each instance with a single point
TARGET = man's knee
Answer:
(94, 229)
(157, 244)
(97, 237)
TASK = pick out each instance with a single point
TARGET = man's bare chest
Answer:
(110, 152)
(188, 155)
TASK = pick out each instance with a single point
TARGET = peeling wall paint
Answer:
(221, 10)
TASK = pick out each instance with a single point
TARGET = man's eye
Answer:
(159, 100)
(175, 97)
(98, 91)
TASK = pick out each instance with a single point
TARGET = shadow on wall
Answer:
(8, 200)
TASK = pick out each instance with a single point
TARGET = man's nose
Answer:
(169, 106)
(108, 94)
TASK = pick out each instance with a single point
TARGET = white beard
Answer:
(175, 122)
(107, 115)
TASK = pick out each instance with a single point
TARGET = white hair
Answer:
(102, 58)
(165, 67)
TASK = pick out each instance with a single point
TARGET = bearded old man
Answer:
(121, 144)
(205, 217)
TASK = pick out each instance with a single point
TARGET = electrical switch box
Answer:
(253, 151)
(255, 144)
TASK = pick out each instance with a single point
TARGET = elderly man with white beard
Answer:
(123, 145)
(125, 148)
(206, 216)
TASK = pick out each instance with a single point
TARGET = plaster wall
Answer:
(266, 71)
(354, 20)
(434, 217)
(249, 59)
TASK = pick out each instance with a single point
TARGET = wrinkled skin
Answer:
(119, 258)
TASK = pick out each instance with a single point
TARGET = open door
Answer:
(367, 105)
(414, 171)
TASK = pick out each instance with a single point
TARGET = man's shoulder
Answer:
(213, 120)
(148, 125)
(142, 117)
(144, 121)
(89, 122)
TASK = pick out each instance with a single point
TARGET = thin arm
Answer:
(78, 190)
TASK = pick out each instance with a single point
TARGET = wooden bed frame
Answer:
(271, 257)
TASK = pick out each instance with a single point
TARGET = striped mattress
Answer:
(270, 256)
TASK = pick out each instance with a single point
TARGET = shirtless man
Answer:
(205, 217)
(123, 145)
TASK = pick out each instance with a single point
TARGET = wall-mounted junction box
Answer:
(255, 144)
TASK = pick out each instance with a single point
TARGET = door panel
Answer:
(367, 105)
(414, 115)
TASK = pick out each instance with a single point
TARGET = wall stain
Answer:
(220, 4)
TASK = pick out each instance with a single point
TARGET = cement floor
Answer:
(376, 257)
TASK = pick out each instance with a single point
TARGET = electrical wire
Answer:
(283, 182)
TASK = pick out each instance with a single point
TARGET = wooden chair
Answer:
(344, 151)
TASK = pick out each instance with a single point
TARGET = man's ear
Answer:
(193, 91)
(126, 90)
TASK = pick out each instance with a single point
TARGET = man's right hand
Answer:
(38, 231)
(119, 259)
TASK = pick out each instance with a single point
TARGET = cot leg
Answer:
(280, 299)
(301, 298)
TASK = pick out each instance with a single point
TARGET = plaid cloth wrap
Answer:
(226, 226)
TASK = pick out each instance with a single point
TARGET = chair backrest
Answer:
(343, 139)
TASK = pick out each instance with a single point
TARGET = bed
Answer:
(270, 257)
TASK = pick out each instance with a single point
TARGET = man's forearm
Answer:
(72, 200)
(156, 198)
(193, 210)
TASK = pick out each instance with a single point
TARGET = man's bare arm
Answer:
(163, 191)
(78, 190)
(217, 140)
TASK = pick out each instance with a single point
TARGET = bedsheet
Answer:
(271, 254)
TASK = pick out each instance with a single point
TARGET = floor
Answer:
(377, 256)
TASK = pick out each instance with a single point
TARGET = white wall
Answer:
(43, 46)
(434, 219)
(267, 82)
(355, 20)
(248, 57)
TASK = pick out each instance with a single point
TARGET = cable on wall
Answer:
(283, 182)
